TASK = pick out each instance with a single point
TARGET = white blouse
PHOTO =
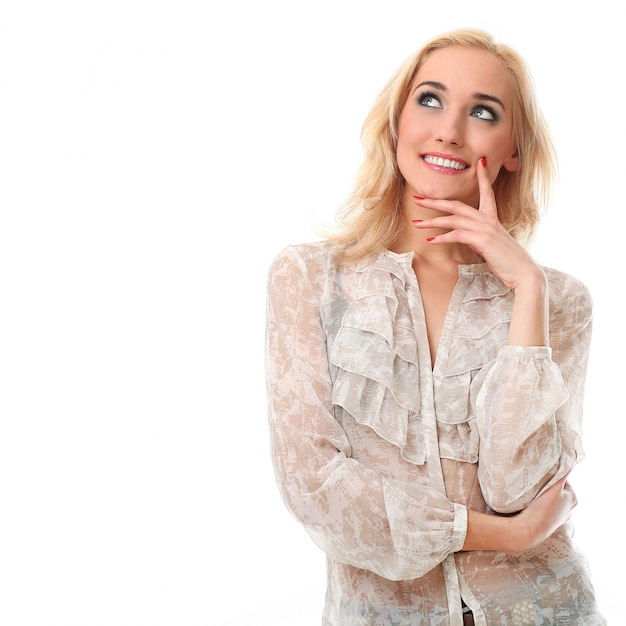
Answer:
(379, 453)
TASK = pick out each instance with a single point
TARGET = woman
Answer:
(425, 375)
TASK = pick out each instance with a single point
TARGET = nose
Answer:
(451, 127)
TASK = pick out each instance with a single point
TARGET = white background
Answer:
(155, 156)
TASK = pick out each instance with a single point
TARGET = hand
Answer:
(481, 230)
(547, 513)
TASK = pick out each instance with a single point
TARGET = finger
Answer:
(487, 203)
(449, 223)
(467, 237)
(451, 207)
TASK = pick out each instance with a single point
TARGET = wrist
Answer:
(520, 538)
(534, 283)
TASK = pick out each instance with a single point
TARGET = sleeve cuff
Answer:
(525, 352)
(460, 527)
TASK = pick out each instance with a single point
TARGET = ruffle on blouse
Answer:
(480, 329)
(376, 353)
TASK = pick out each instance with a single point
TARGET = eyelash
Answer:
(429, 94)
(489, 110)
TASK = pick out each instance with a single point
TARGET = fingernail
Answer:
(429, 238)
(418, 198)
(483, 160)
(417, 221)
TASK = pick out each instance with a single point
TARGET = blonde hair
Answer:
(372, 218)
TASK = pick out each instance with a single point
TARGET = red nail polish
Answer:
(417, 221)
(483, 160)
(429, 238)
(418, 197)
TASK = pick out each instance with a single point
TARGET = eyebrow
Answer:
(479, 96)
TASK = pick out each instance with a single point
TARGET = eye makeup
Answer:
(431, 100)
(423, 97)
(494, 117)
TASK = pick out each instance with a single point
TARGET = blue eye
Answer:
(429, 100)
(485, 113)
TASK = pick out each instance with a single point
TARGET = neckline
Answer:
(464, 268)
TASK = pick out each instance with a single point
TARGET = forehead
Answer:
(466, 70)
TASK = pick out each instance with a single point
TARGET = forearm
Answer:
(528, 402)
(529, 320)
(397, 529)
(491, 532)
(404, 529)
(525, 530)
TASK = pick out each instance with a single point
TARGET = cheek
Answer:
(408, 138)
(404, 156)
(401, 147)
(501, 147)
(498, 153)
(408, 127)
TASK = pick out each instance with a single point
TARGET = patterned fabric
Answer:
(379, 454)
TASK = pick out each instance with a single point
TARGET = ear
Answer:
(512, 163)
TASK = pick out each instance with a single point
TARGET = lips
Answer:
(445, 162)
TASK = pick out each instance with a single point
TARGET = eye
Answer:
(485, 113)
(429, 100)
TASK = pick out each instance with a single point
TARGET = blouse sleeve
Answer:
(358, 517)
(529, 402)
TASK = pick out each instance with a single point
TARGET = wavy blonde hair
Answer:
(372, 218)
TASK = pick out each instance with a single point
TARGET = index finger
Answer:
(487, 203)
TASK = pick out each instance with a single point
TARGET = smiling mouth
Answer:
(441, 162)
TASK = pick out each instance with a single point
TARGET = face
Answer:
(458, 111)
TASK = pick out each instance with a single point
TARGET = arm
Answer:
(529, 318)
(395, 529)
(529, 430)
(399, 530)
(529, 405)
(481, 230)
(524, 531)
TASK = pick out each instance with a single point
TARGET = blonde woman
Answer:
(425, 374)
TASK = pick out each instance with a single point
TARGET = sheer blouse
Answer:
(379, 453)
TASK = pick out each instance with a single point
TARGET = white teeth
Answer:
(455, 165)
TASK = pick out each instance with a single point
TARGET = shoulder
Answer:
(568, 295)
(311, 258)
